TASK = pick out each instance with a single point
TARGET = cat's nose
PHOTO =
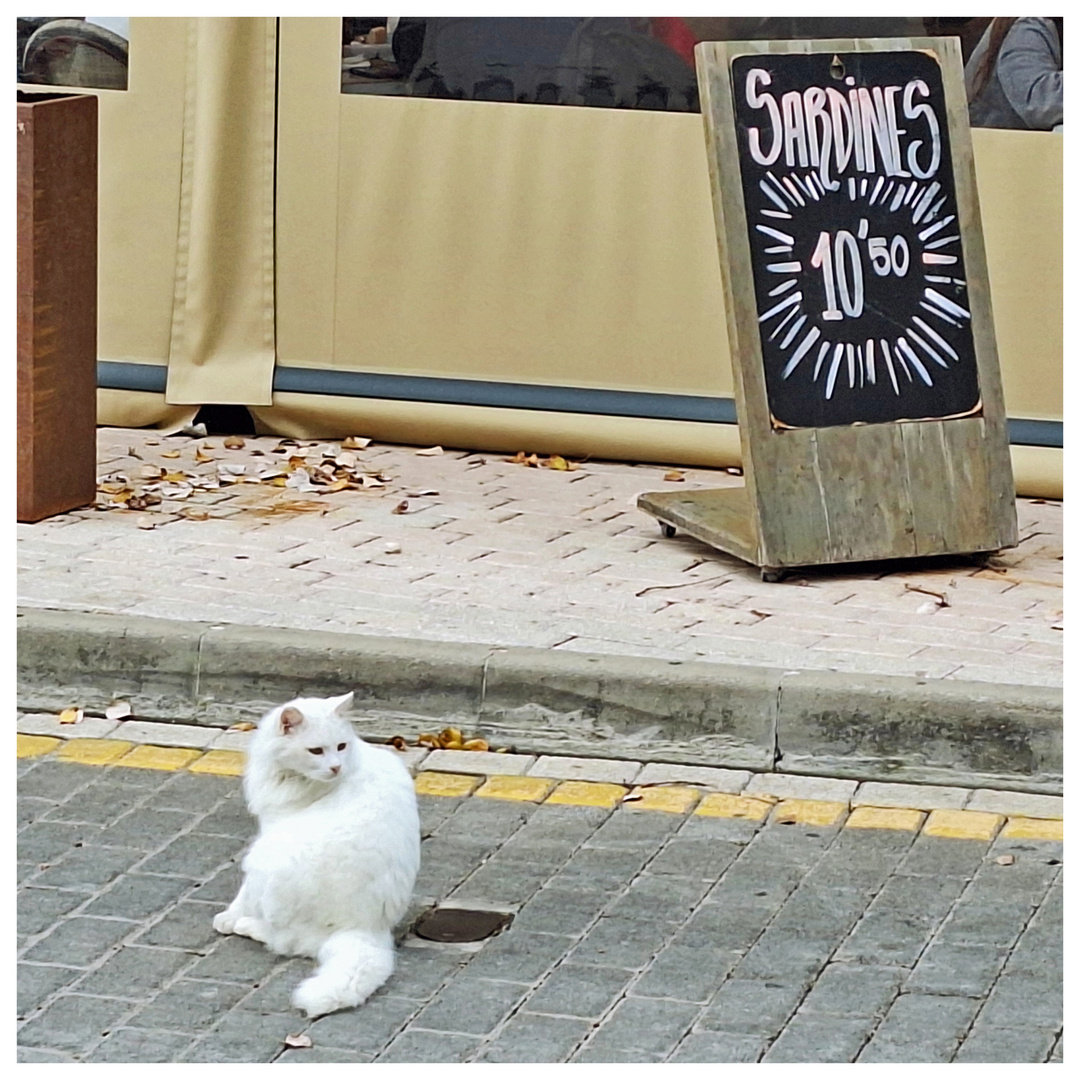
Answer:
(335, 769)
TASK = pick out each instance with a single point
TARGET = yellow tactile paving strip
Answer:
(658, 798)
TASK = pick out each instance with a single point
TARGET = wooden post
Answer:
(57, 303)
(867, 385)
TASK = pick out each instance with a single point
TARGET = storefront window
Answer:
(623, 63)
(56, 51)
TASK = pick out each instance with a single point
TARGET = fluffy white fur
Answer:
(332, 868)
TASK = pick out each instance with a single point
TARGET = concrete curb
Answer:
(971, 734)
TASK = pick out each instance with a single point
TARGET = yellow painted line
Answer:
(164, 758)
(586, 793)
(1020, 828)
(93, 751)
(671, 798)
(445, 783)
(963, 824)
(718, 804)
(808, 812)
(882, 817)
(35, 745)
(219, 763)
(517, 788)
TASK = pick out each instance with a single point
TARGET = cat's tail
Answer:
(353, 964)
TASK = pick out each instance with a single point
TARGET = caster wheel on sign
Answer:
(772, 575)
(667, 530)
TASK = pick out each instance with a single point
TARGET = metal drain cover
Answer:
(460, 924)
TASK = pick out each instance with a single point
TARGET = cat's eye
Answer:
(341, 746)
(314, 749)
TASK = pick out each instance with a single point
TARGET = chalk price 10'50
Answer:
(842, 270)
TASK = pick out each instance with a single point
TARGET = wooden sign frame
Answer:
(850, 490)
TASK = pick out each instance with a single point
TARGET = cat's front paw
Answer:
(225, 922)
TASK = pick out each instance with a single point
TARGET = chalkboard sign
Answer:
(871, 414)
(855, 244)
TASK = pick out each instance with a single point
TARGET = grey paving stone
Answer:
(861, 858)
(589, 1056)
(236, 959)
(517, 956)
(561, 910)
(229, 818)
(31, 1055)
(36, 982)
(245, 1037)
(921, 1028)
(73, 1023)
(420, 1047)
(821, 912)
(1023, 1000)
(644, 1026)
(609, 868)
(940, 855)
(88, 868)
(985, 923)
(687, 973)
(509, 884)
(492, 820)
(471, 1006)
(752, 1007)
(811, 1038)
(580, 990)
(729, 780)
(604, 770)
(720, 1047)
(956, 970)
(634, 830)
(55, 780)
(194, 792)
(529, 1038)
(571, 825)
(854, 990)
(700, 859)
(445, 863)
(186, 926)
(731, 830)
(146, 830)
(136, 1045)
(667, 899)
(194, 855)
(434, 811)
(366, 1029)
(137, 896)
(1016, 1045)
(1016, 803)
(733, 925)
(911, 796)
(790, 786)
(189, 1006)
(47, 841)
(37, 909)
(79, 941)
(134, 972)
(419, 972)
(478, 762)
(788, 955)
(322, 1054)
(29, 809)
(97, 805)
(221, 888)
(274, 992)
(625, 943)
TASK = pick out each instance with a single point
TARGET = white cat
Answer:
(332, 868)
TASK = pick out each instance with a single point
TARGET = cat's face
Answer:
(313, 738)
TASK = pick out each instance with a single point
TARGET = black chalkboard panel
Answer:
(854, 236)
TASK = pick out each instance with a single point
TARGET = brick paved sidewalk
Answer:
(639, 935)
(497, 553)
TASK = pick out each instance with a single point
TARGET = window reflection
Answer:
(623, 63)
(58, 51)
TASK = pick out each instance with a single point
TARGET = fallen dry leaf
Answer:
(170, 453)
(475, 744)
(633, 796)
(371, 482)
(421, 494)
(142, 502)
(118, 710)
(194, 513)
(301, 1042)
(431, 451)
(674, 476)
(335, 485)
(70, 716)
(427, 739)
(557, 463)
(355, 442)
(174, 477)
(398, 743)
(518, 459)
(234, 442)
(401, 508)
(243, 725)
(1005, 860)
(202, 458)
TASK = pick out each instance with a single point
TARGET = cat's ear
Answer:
(342, 704)
(291, 719)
